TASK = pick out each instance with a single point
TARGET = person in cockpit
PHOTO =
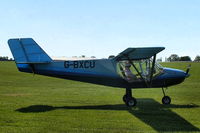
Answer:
(129, 76)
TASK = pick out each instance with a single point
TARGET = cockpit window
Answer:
(138, 69)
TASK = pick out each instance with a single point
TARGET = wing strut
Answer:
(136, 70)
(152, 69)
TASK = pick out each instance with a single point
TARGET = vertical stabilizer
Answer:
(26, 50)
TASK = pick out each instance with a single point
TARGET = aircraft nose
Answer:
(176, 73)
(173, 76)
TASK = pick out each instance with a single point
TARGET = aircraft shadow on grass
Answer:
(159, 117)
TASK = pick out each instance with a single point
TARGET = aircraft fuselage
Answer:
(100, 71)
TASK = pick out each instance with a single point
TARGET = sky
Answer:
(102, 27)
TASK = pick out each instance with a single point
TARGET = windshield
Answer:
(138, 69)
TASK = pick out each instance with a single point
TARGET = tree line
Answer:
(5, 58)
(171, 58)
(175, 57)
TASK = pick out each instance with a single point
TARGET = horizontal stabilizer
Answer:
(26, 50)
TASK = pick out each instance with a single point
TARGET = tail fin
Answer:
(27, 51)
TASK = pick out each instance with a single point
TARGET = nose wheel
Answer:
(166, 99)
(128, 99)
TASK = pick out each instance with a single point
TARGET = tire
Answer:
(131, 102)
(124, 98)
(166, 100)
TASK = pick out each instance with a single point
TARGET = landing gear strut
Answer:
(128, 99)
(165, 99)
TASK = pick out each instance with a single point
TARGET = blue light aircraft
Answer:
(132, 68)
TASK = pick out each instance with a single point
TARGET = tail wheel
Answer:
(166, 100)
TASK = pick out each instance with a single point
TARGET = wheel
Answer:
(124, 98)
(131, 102)
(166, 100)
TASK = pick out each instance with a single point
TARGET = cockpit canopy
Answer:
(136, 70)
(135, 64)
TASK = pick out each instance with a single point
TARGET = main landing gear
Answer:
(131, 101)
(165, 99)
(128, 99)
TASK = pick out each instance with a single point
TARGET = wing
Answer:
(138, 53)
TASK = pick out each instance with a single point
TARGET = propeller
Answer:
(188, 68)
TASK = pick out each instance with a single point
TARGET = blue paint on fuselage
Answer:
(104, 73)
(103, 68)
(169, 73)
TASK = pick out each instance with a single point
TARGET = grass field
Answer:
(38, 104)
